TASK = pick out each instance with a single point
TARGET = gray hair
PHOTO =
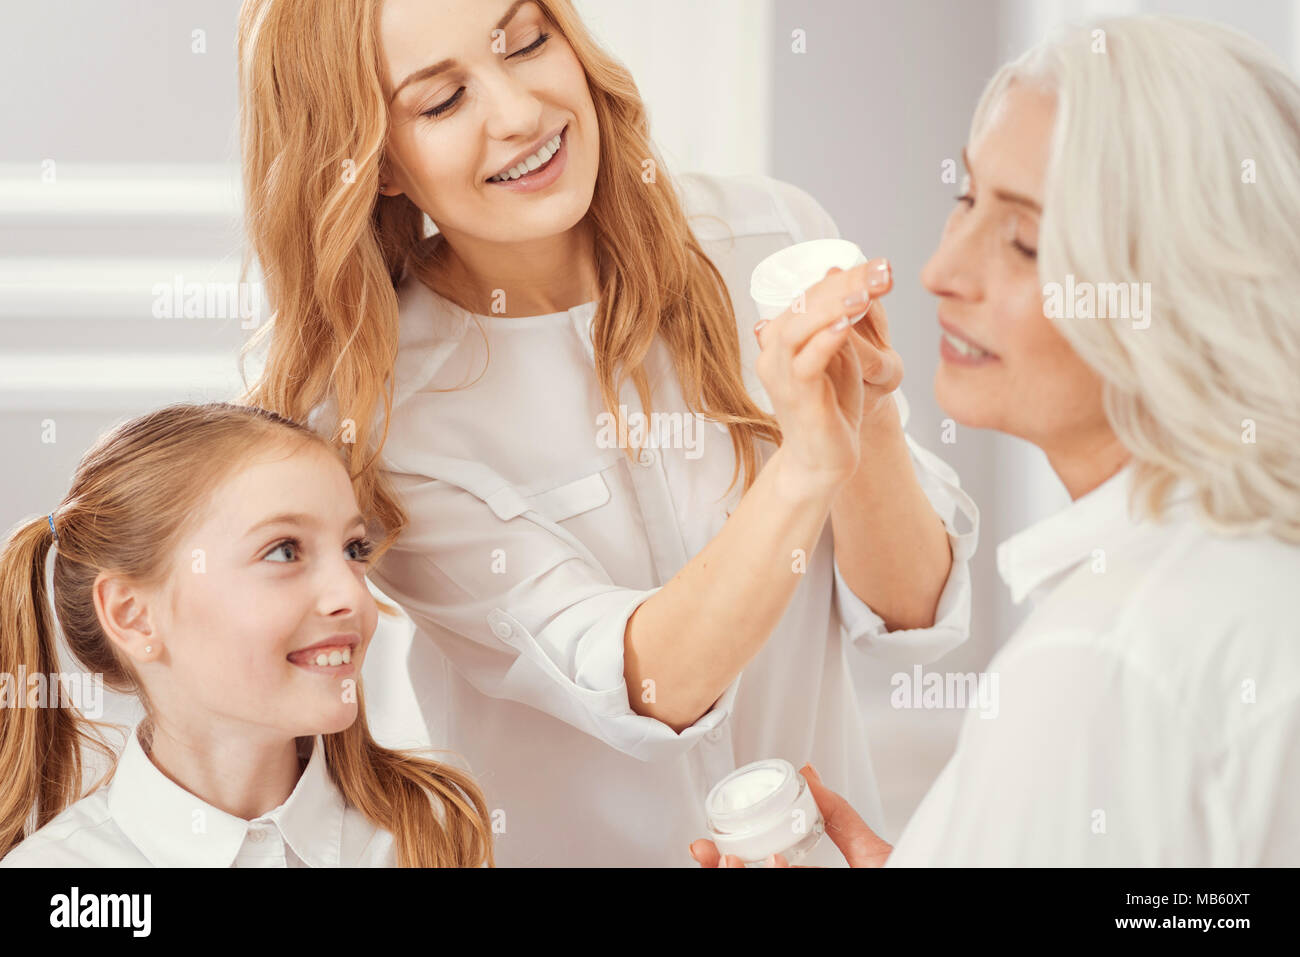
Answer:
(1175, 165)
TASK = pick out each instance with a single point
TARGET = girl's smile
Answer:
(332, 656)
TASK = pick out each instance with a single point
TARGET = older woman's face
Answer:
(512, 84)
(1004, 365)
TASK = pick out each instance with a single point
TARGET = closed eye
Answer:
(444, 106)
(447, 105)
(532, 47)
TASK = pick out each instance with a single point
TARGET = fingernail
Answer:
(857, 299)
(771, 860)
(879, 276)
(760, 324)
(850, 320)
(817, 776)
(842, 323)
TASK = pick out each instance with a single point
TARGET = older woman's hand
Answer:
(859, 844)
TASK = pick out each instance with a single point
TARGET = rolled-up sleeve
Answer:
(866, 630)
(525, 612)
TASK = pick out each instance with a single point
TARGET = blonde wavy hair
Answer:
(332, 249)
(1160, 122)
(132, 497)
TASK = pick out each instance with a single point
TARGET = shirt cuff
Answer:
(866, 630)
(599, 687)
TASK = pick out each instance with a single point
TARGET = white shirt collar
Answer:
(174, 828)
(1057, 544)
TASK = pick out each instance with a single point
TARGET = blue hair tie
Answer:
(55, 533)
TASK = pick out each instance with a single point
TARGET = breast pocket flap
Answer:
(572, 498)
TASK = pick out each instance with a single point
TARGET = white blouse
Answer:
(1148, 710)
(143, 818)
(531, 542)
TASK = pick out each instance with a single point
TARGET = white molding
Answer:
(84, 382)
(85, 192)
(37, 288)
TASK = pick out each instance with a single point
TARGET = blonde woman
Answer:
(1149, 707)
(254, 750)
(550, 406)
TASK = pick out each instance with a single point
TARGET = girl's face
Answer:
(276, 567)
(476, 86)
(1009, 368)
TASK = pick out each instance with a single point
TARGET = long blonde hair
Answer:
(332, 249)
(131, 499)
(1175, 161)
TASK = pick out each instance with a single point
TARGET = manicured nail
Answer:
(771, 860)
(879, 276)
(758, 326)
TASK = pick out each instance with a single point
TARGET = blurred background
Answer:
(119, 172)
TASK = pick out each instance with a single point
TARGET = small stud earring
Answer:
(148, 649)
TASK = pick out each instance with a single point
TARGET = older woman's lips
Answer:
(957, 349)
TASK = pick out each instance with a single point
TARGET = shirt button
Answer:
(502, 629)
(648, 457)
(257, 835)
(714, 735)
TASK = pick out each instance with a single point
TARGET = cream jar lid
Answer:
(782, 276)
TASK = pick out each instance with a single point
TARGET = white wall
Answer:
(707, 55)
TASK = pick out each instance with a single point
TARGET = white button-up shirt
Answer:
(145, 819)
(1148, 710)
(531, 542)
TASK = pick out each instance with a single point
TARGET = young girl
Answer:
(211, 560)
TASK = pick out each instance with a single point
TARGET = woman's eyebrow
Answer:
(444, 65)
(1018, 199)
(1004, 194)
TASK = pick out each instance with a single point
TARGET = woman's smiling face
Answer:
(1009, 368)
(509, 82)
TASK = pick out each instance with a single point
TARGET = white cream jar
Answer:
(761, 809)
(779, 279)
